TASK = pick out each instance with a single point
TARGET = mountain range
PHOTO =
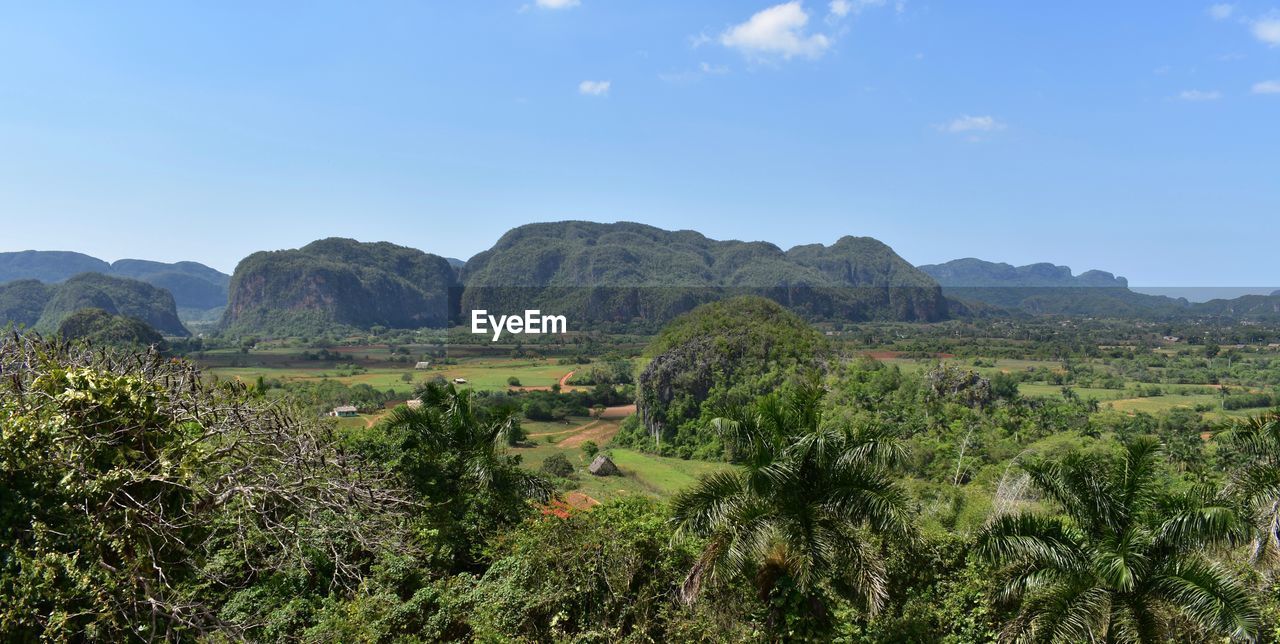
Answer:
(620, 275)
(193, 285)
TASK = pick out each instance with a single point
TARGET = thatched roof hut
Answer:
(603, 466)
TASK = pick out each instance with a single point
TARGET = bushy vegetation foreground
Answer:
(140, 500)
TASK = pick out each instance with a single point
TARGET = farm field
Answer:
(642, 474)
(379, 373)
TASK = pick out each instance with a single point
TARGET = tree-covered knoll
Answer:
(338, 282)
(712, 360)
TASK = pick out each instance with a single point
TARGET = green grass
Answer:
(643, 474)
(1032, 390)
(480, 373)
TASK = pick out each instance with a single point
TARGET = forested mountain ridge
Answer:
(45, 306)
(1048, 289)
(193, 285)
(339, 282)
(623, 272)
(971, 272)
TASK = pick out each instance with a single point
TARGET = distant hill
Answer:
(455, 262)
(193, 285)
(1247, 306)
(1048, 289)
(45, 306)
(972, 273)
(48, 266)
(339, 282)
(627, 273)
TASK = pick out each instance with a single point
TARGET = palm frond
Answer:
(1030, 537)
(1209, 594)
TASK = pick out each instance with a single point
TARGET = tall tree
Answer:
(1121, 560)
(804, 510)
(1257, 481)
(453, 454)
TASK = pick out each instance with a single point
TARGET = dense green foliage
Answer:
(1125, 560)
(803, 516)
(100, 328)
(872, 505)
(608, 575)
(134, 499)
(625, 273)
(22, 302)
(335, 282)
(717, 358)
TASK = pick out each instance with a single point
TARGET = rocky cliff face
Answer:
(339, 282)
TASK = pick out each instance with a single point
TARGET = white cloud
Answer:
(837, 10)
(594, 88)
(776, 31)
(1199, 95)
(1268, 29)
(970, 124)
(557, 4)
(1221, 11)
(1267, 87)
(715, 70)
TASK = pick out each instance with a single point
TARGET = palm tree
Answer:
(453, 455)
(1257, 481)
(803, 508)
(1122, 560)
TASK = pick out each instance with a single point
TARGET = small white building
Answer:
(459, 381)
(426, 364)
(345, 411)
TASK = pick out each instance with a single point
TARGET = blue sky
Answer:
(1139, 138)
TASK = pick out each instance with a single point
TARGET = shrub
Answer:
(557, 465)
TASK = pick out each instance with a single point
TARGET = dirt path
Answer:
(619, 412)
(564, 386)
(600, 431)
(580, 501)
